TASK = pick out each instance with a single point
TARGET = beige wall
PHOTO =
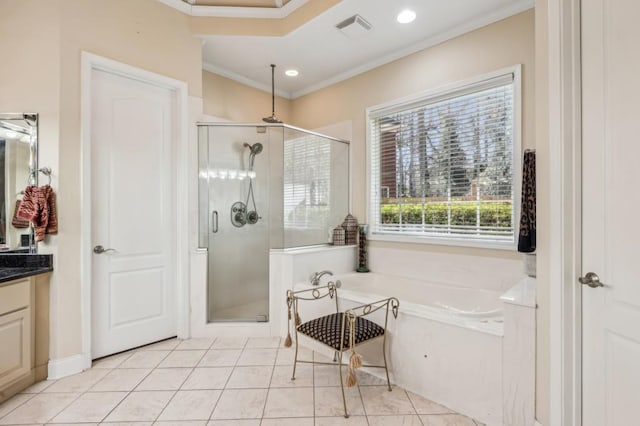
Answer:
(228, 99)
(48, 38)
(505, 43)
(543, 186)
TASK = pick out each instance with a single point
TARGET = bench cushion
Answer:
(327, 330)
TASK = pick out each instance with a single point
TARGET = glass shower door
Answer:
(234, 184)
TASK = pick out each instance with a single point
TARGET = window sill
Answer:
(458, 242)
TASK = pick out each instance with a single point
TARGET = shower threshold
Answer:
(248, 312)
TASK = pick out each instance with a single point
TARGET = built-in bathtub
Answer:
(447, 343)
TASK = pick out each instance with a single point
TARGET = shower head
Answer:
(255, 149)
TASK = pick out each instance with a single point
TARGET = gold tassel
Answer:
(287, 340)
(355, 360)
(351, 378)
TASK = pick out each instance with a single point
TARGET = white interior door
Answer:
(133, 128)
(611, 205)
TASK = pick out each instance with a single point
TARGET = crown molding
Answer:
(236, 12)
(207, 66)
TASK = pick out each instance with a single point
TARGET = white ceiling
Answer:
(324, 55)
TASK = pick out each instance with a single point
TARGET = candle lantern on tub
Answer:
(362, 249)
(350, 226)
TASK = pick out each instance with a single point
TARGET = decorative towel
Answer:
(38, 206)
(527, 238)
(18, 222)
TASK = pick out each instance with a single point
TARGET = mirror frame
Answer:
(32, 120)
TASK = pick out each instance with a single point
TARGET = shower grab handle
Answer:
(214, 221)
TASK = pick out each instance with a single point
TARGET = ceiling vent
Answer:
(354, 27)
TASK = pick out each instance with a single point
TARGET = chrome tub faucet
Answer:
(315, 277)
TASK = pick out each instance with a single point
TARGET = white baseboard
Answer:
(537, 423)
(63, 367)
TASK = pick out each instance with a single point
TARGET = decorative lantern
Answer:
(350, 226)
(338, 236)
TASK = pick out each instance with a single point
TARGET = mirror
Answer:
(18, 168)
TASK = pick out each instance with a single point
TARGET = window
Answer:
(442, 165)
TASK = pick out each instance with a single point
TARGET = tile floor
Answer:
(218, 382)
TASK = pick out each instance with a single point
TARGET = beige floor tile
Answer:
(112, 361)
(191, 405)
(282, 376)
(249, 422)
(126, 423)
(446, 420)
(13, 403)
(121, 379)
(38, 387)
(240, 404)
(425, 406)
(286, 355)
(145, 359)
(74, 424)
(90, 407)
(263, 342)
(394, 421)
(141, 406)
(78, 382)
(193, 344)
(220, 358)
(39, 409)
(297, 421)
(182, 359)
(182, 423)
(327, 375)
(338, 421)
(250, 377)
(229, 343)
(366, 379)
(208, 378)
(328, 402)
(287, 402)
(164, 379)
(379, 401)
(165, 345)
(322, 357)
(258, 357)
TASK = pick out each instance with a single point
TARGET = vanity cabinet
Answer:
(24, 333)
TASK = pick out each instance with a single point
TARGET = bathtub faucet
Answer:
(315, 277)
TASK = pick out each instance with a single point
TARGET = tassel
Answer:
(351, 378)
(287, 341)
(355, 360)
(298, 321)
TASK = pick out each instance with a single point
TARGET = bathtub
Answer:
(445, 345)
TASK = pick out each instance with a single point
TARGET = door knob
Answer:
(591, 279)
(99, 249)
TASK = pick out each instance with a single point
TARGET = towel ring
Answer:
(44, 170)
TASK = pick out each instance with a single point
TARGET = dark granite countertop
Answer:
(16, 266)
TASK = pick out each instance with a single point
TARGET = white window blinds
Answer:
(442, 166)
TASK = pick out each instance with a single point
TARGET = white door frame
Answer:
(91, 63)
(565, 204)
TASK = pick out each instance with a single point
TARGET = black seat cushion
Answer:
(327, 330)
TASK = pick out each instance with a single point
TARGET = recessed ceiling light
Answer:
(406, 16)
(291, 73)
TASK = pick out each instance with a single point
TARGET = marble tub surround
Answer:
(15, 266)
(136, 387)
